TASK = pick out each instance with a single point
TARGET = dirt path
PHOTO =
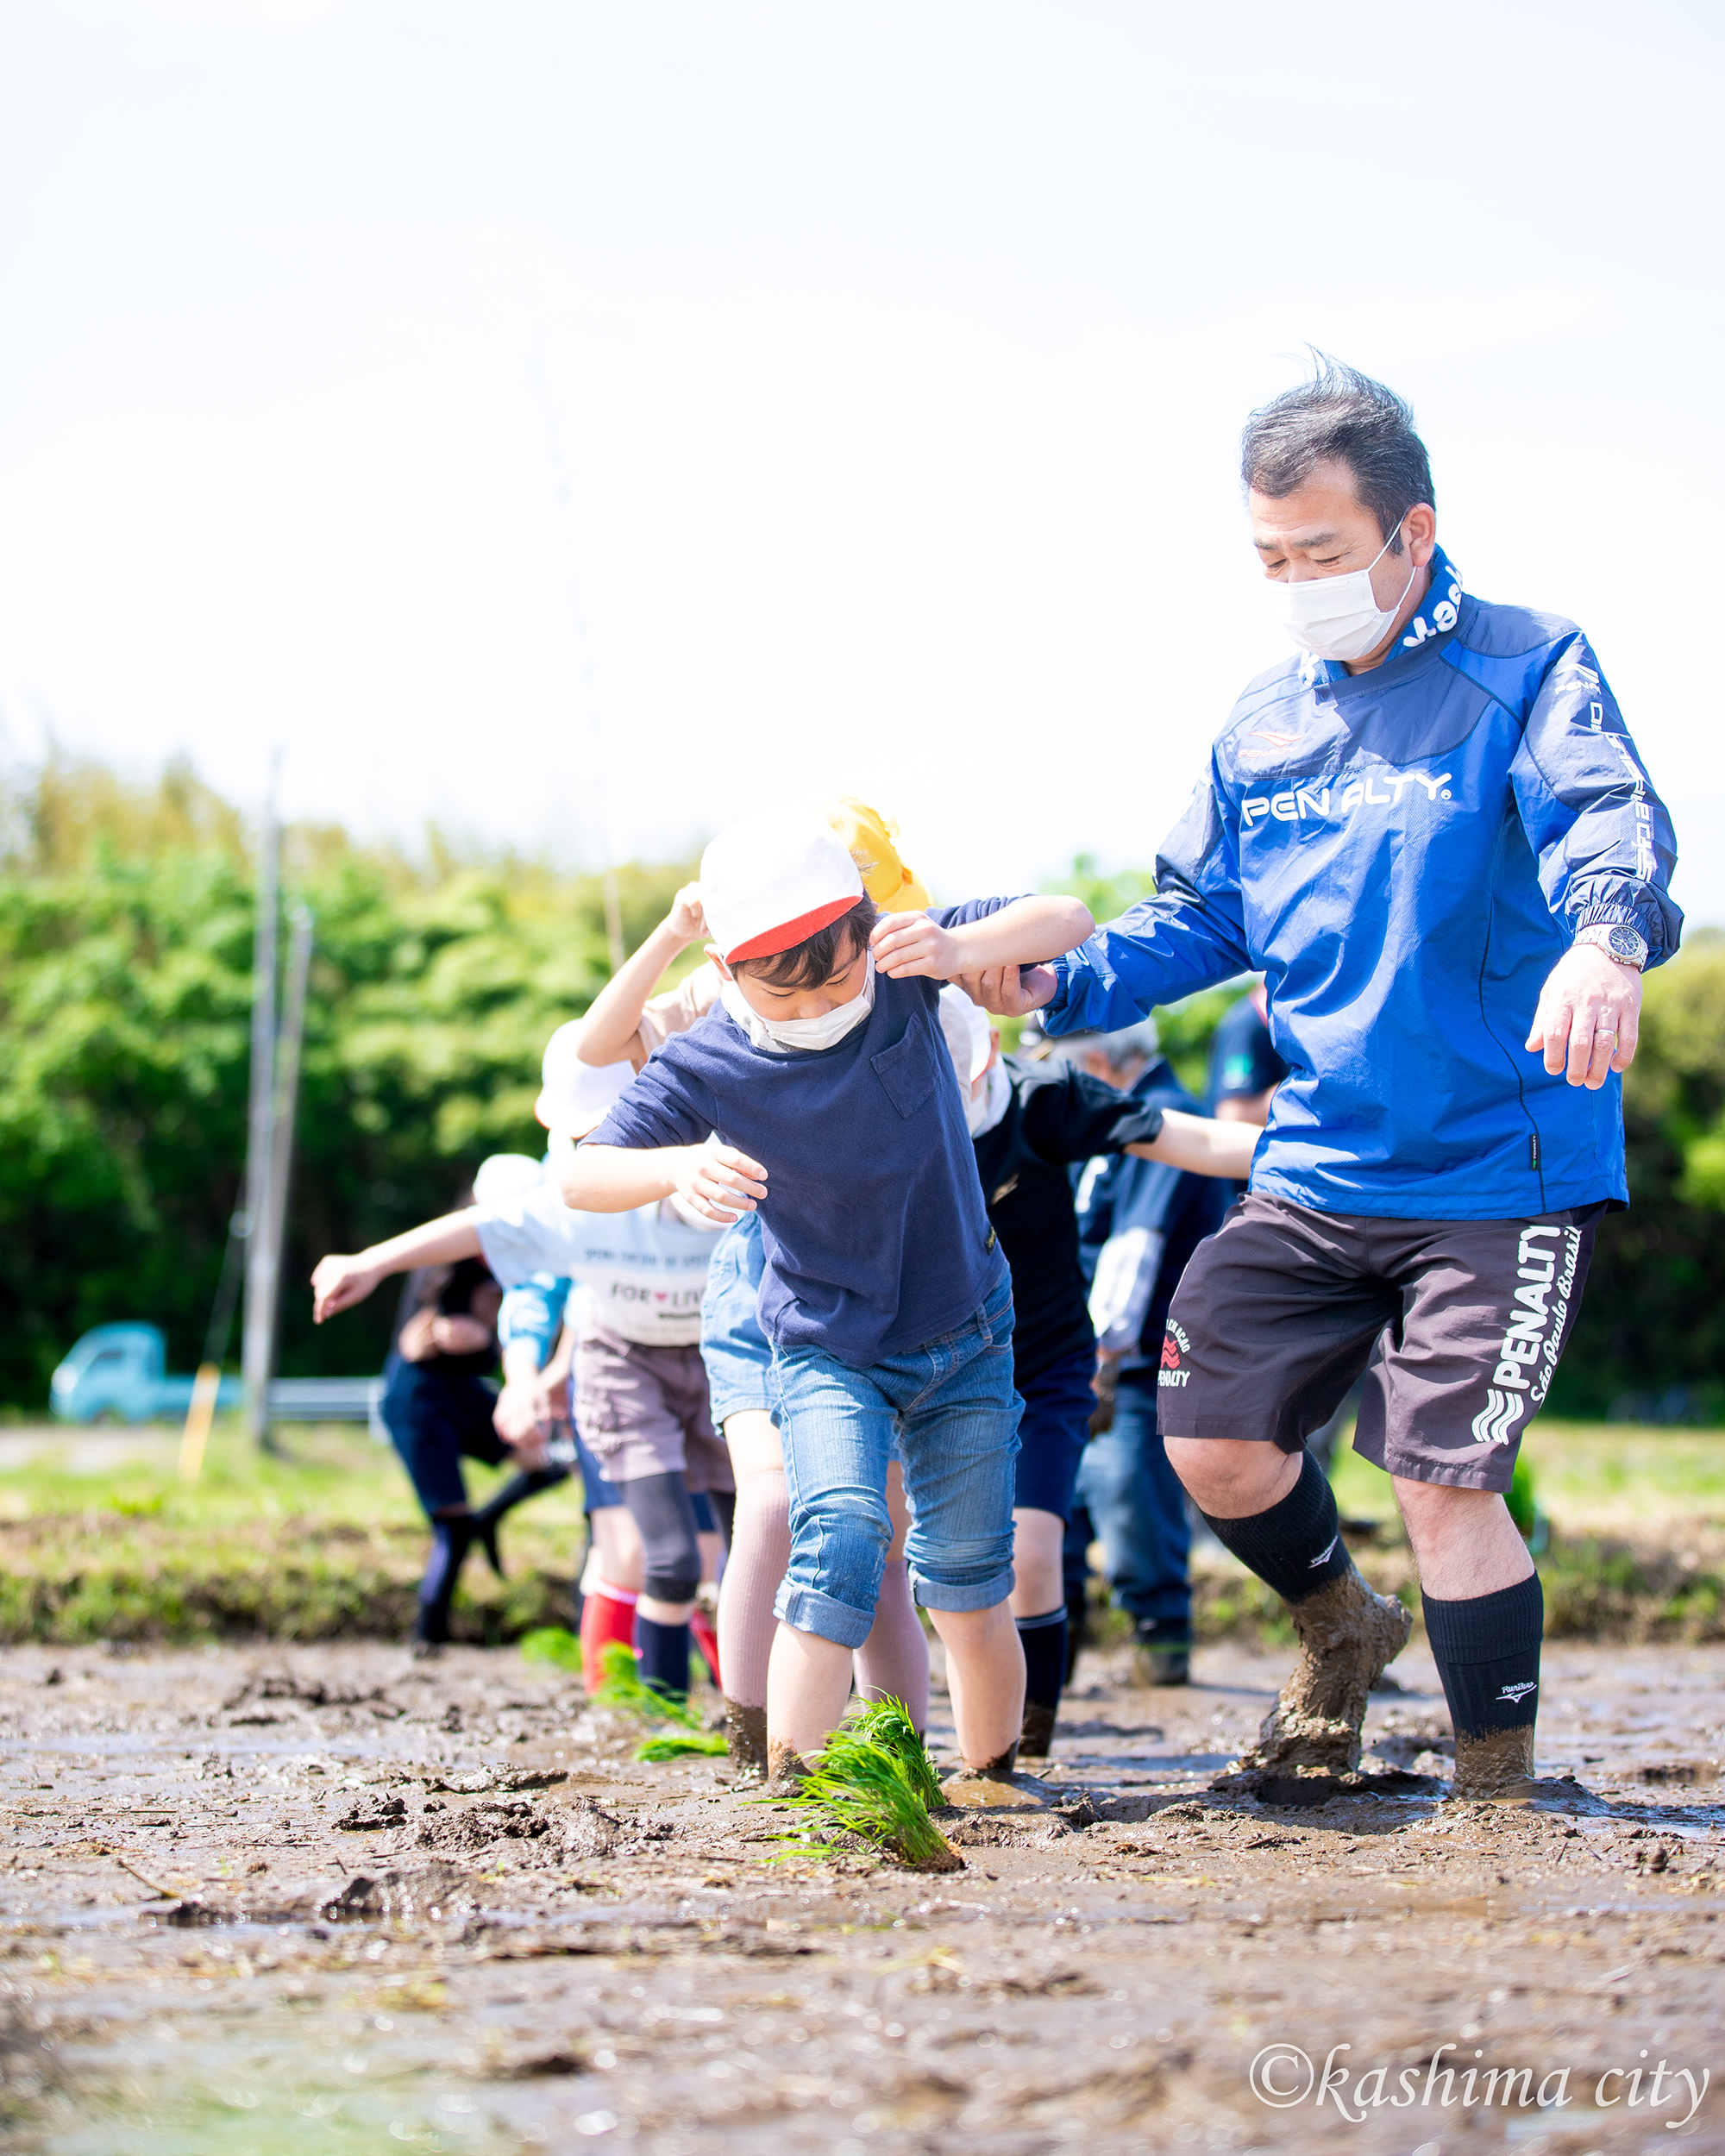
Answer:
(438, 1904)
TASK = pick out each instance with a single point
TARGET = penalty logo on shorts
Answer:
(1534, 1330)
(1499, 1416)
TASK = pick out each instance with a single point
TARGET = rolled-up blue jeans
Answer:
(949, 1411)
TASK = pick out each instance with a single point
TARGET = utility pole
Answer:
(257, 1347)
(286, 1100)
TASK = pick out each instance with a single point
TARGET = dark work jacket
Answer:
(1058, 1115)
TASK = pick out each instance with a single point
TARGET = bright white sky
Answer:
(895, 352)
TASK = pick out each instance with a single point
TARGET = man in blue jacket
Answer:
(1432, 834)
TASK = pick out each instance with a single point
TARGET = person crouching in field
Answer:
(819, 1092)
(439, 1411)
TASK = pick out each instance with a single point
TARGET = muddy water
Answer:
(331, 1899)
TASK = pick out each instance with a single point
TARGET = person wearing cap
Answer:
(1032, 1123)
(819, 1092)
(638, 1373)
(893, 1661)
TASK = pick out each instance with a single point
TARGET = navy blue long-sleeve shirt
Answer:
(874, 1231)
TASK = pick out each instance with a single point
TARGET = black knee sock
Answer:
(1296, 1546)
(1043, 1641)
(451, 1539)
(1487, 1650)
(664, 1653)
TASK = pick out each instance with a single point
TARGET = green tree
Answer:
(126, 925)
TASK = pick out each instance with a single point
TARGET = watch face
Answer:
(1624, 943)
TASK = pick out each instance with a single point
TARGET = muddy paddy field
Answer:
(332, 1898)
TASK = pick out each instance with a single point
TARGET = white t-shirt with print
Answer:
(645, 1271)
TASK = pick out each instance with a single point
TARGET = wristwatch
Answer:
(1623, 944)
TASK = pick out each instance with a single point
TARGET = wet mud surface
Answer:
(331, 1898)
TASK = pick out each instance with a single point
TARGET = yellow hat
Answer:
(867, 837)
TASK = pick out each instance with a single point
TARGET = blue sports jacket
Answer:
(1406, 853)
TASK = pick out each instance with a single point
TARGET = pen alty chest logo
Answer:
(1175, 1346)
(1336, 800)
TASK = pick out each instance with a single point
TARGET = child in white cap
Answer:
(821, 1093)
(626, 1019)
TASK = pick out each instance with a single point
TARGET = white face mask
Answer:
(825, 1031)
(1338, 616)
(983, 1110)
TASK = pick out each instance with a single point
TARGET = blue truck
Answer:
(119, 1373)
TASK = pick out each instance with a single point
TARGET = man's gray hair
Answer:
(1139, 1044)
(1343, 416)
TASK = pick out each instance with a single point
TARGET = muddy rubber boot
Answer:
(1496, 1767)
(1039, 1730)
(745, 1738)
(786, 1769)
(1348, 1636)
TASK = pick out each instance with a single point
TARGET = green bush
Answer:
(126, 929)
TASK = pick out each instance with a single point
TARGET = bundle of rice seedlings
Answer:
(867, 1788)
(552, 1645)
(888, 1722)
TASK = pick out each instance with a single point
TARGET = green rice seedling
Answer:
(628, 1692)
(552, 1645)
(683, 1744)
(888, 1722)
(860, 1785)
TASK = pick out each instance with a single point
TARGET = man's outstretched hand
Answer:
(1010, 992)
(1589, 1016)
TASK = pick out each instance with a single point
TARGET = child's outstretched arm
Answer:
(1025, 932)
(608, 1032)
(1202, 1147)
(339, 1282)
(716, 1181)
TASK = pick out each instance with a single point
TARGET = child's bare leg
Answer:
(760, 1551)
(616, 1545)
(985, 1675)
(808, 1683)
(893, 1661)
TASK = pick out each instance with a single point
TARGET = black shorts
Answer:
(1456, 1327)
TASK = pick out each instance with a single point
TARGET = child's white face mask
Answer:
(786, 1034)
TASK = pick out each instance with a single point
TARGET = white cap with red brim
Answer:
(773, 880)
(577, 1096)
